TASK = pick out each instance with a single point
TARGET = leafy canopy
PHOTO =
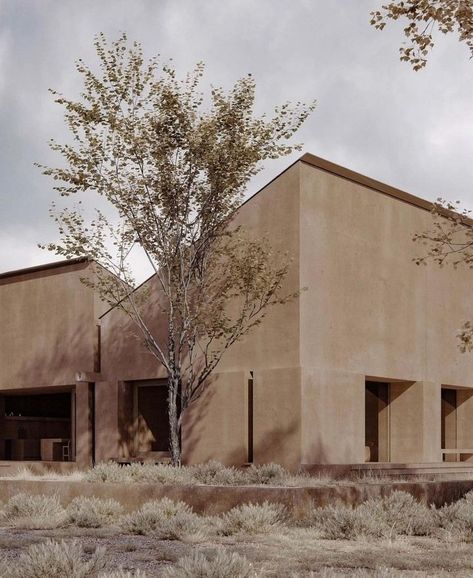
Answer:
(173, 164)
(423, 17)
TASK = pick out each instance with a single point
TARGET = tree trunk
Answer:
(174, 422)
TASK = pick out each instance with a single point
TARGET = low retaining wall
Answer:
(217, 499)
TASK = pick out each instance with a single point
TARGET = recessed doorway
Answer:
(449, 422)
(151, 417)
(377, 421)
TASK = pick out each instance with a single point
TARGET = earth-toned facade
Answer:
(363, 367)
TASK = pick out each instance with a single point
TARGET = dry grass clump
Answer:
(253, 519)
(222, 565)
(395, 515)
(158, 474)
(27, 473)
(93, 512)
(33, 511)
(165, 519)
(184, 527)
(398, 514)
(214, 473)
(267, 475)
(124, 574)
(107, 472)
(209, 473)
(337, 522)
(52, 559)
(364, 573)
(457, 518)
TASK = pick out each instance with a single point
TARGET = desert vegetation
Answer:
(95, 538)
(211, 473)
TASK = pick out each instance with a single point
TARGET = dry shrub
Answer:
(365, 573)
(210, 473)
(222, 565)
(107, 472)
(52, 559)
(214, 473)
(457, 517)
(34, 511)
(337, 522)
(27, 473)
(165, 508)
(184, 527)
(253, 519)
(93, 512)
(267, 475)
(139, 473)
(166, 519)
(124, 574)
(158, 474)
(397, 514)
(139, 523)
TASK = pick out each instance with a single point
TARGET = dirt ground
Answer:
(294, 553)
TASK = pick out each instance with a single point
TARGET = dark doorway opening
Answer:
(449, 422)
(152, 414)
(377, 421)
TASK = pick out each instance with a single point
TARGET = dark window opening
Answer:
(250, 418)
(54, 405)
(36, 427)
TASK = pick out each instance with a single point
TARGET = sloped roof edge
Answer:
(365, 181)
(44, 267)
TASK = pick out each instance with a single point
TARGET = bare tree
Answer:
(423, 18)
(174, 170)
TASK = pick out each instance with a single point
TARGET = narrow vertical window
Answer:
(250, 418)
(98, 351)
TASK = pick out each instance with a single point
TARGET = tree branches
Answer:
(423, 18)
(173, 170)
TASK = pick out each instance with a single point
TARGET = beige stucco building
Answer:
(364, 366)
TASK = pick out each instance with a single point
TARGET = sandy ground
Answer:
(293, 552)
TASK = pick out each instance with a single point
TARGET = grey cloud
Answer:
(374, 114)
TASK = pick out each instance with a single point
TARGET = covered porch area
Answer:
(417, 422)
(457, 424)
(37, 425)
(402, 421)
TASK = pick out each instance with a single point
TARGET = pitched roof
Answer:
(307, 158)
(368, 182)
(44, 267)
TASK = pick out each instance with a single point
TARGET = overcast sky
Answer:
(374, 115)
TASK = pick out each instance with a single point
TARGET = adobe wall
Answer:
(215, 500)
(369, 311)
(48, 328)
(217, 426)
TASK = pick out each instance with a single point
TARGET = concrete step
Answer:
(440, 470)
(416, 473)
(395, 466)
